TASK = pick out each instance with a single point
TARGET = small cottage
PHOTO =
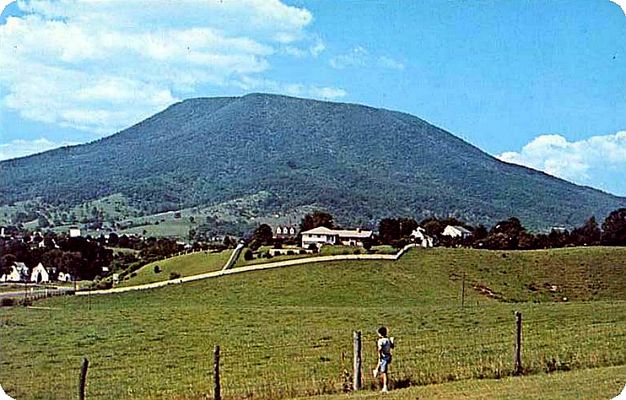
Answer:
(39, 274)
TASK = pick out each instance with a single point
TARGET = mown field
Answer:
(288, 333)
(185, 265)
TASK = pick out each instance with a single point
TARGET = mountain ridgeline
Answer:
(359, 163)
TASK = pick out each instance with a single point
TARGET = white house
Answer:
(74, 231)
(64, 277)
(39, 274)
(321, 235)
(19, 272)
(285, 232)
(456, 232)
(421, 238)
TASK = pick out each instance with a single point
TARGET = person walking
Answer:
(384, 346)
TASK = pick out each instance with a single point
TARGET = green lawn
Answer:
(288, 332)
(185, 265)
(589, 384)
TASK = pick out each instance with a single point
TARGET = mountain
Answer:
(359, 163)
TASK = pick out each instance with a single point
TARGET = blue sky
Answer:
(538, 83)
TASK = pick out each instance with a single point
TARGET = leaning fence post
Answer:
(216, 374)
(83, 379)
(357, 375)
(518, 343)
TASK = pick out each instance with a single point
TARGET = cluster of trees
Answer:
(78, 256)
(509, 234)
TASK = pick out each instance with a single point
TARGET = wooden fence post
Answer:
(83, 379)
(518, 343)
(357, 371)
(217, 392)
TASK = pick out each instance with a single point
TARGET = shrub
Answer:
(157, 269)
(302, 251)
(174, 275)
(248, 255)
(290, 252)
(357, 251)
(7, 302)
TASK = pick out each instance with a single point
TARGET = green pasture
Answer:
(288, 332)
(185, 265)
(589, 384)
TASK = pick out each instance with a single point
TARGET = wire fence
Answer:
(281, 367)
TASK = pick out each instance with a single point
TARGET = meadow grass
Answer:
(287, 333)
(589, 384)
(185, 265)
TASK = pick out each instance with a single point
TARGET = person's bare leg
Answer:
(384, 376)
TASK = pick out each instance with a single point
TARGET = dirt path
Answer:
(256, 267)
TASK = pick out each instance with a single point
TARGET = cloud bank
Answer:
(100, 66)
(593, 161)
(360, 57)
(21, 148)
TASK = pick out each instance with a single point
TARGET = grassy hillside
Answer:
(185, 265)
(590, 384)
(290, 154)
(287, 333)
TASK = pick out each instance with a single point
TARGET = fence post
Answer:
(518, 343)
(217, 392)
(83, 379)
(357, 375)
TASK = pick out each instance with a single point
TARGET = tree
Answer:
(388, 230)
(263, 235)
(588, 234)
(407, 226)
(42, 221)
(317, 219)
(614, 228)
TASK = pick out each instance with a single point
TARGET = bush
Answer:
(174, 275)
(290, 252)
(248, 255)
(357, 251)
(302, 251)
(7, 302)
(157, 269)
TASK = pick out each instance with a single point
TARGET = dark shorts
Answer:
(384, 364)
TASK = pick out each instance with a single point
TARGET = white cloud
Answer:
(21, 148)
(390, 63)
(103, 65)
(357, 57)
(598, 161)
(361, 57)
(291, 89)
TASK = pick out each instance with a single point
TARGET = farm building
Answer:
(19, 272)
(456, 232)
(421, 238)
(64, 277)
(39, 274)
(321, 235)
(285, 232)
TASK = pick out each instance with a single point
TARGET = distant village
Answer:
(38, 257)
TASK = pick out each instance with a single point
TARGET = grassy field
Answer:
(185, 265)
(288, 333)
(325, 251)
(589, 384)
